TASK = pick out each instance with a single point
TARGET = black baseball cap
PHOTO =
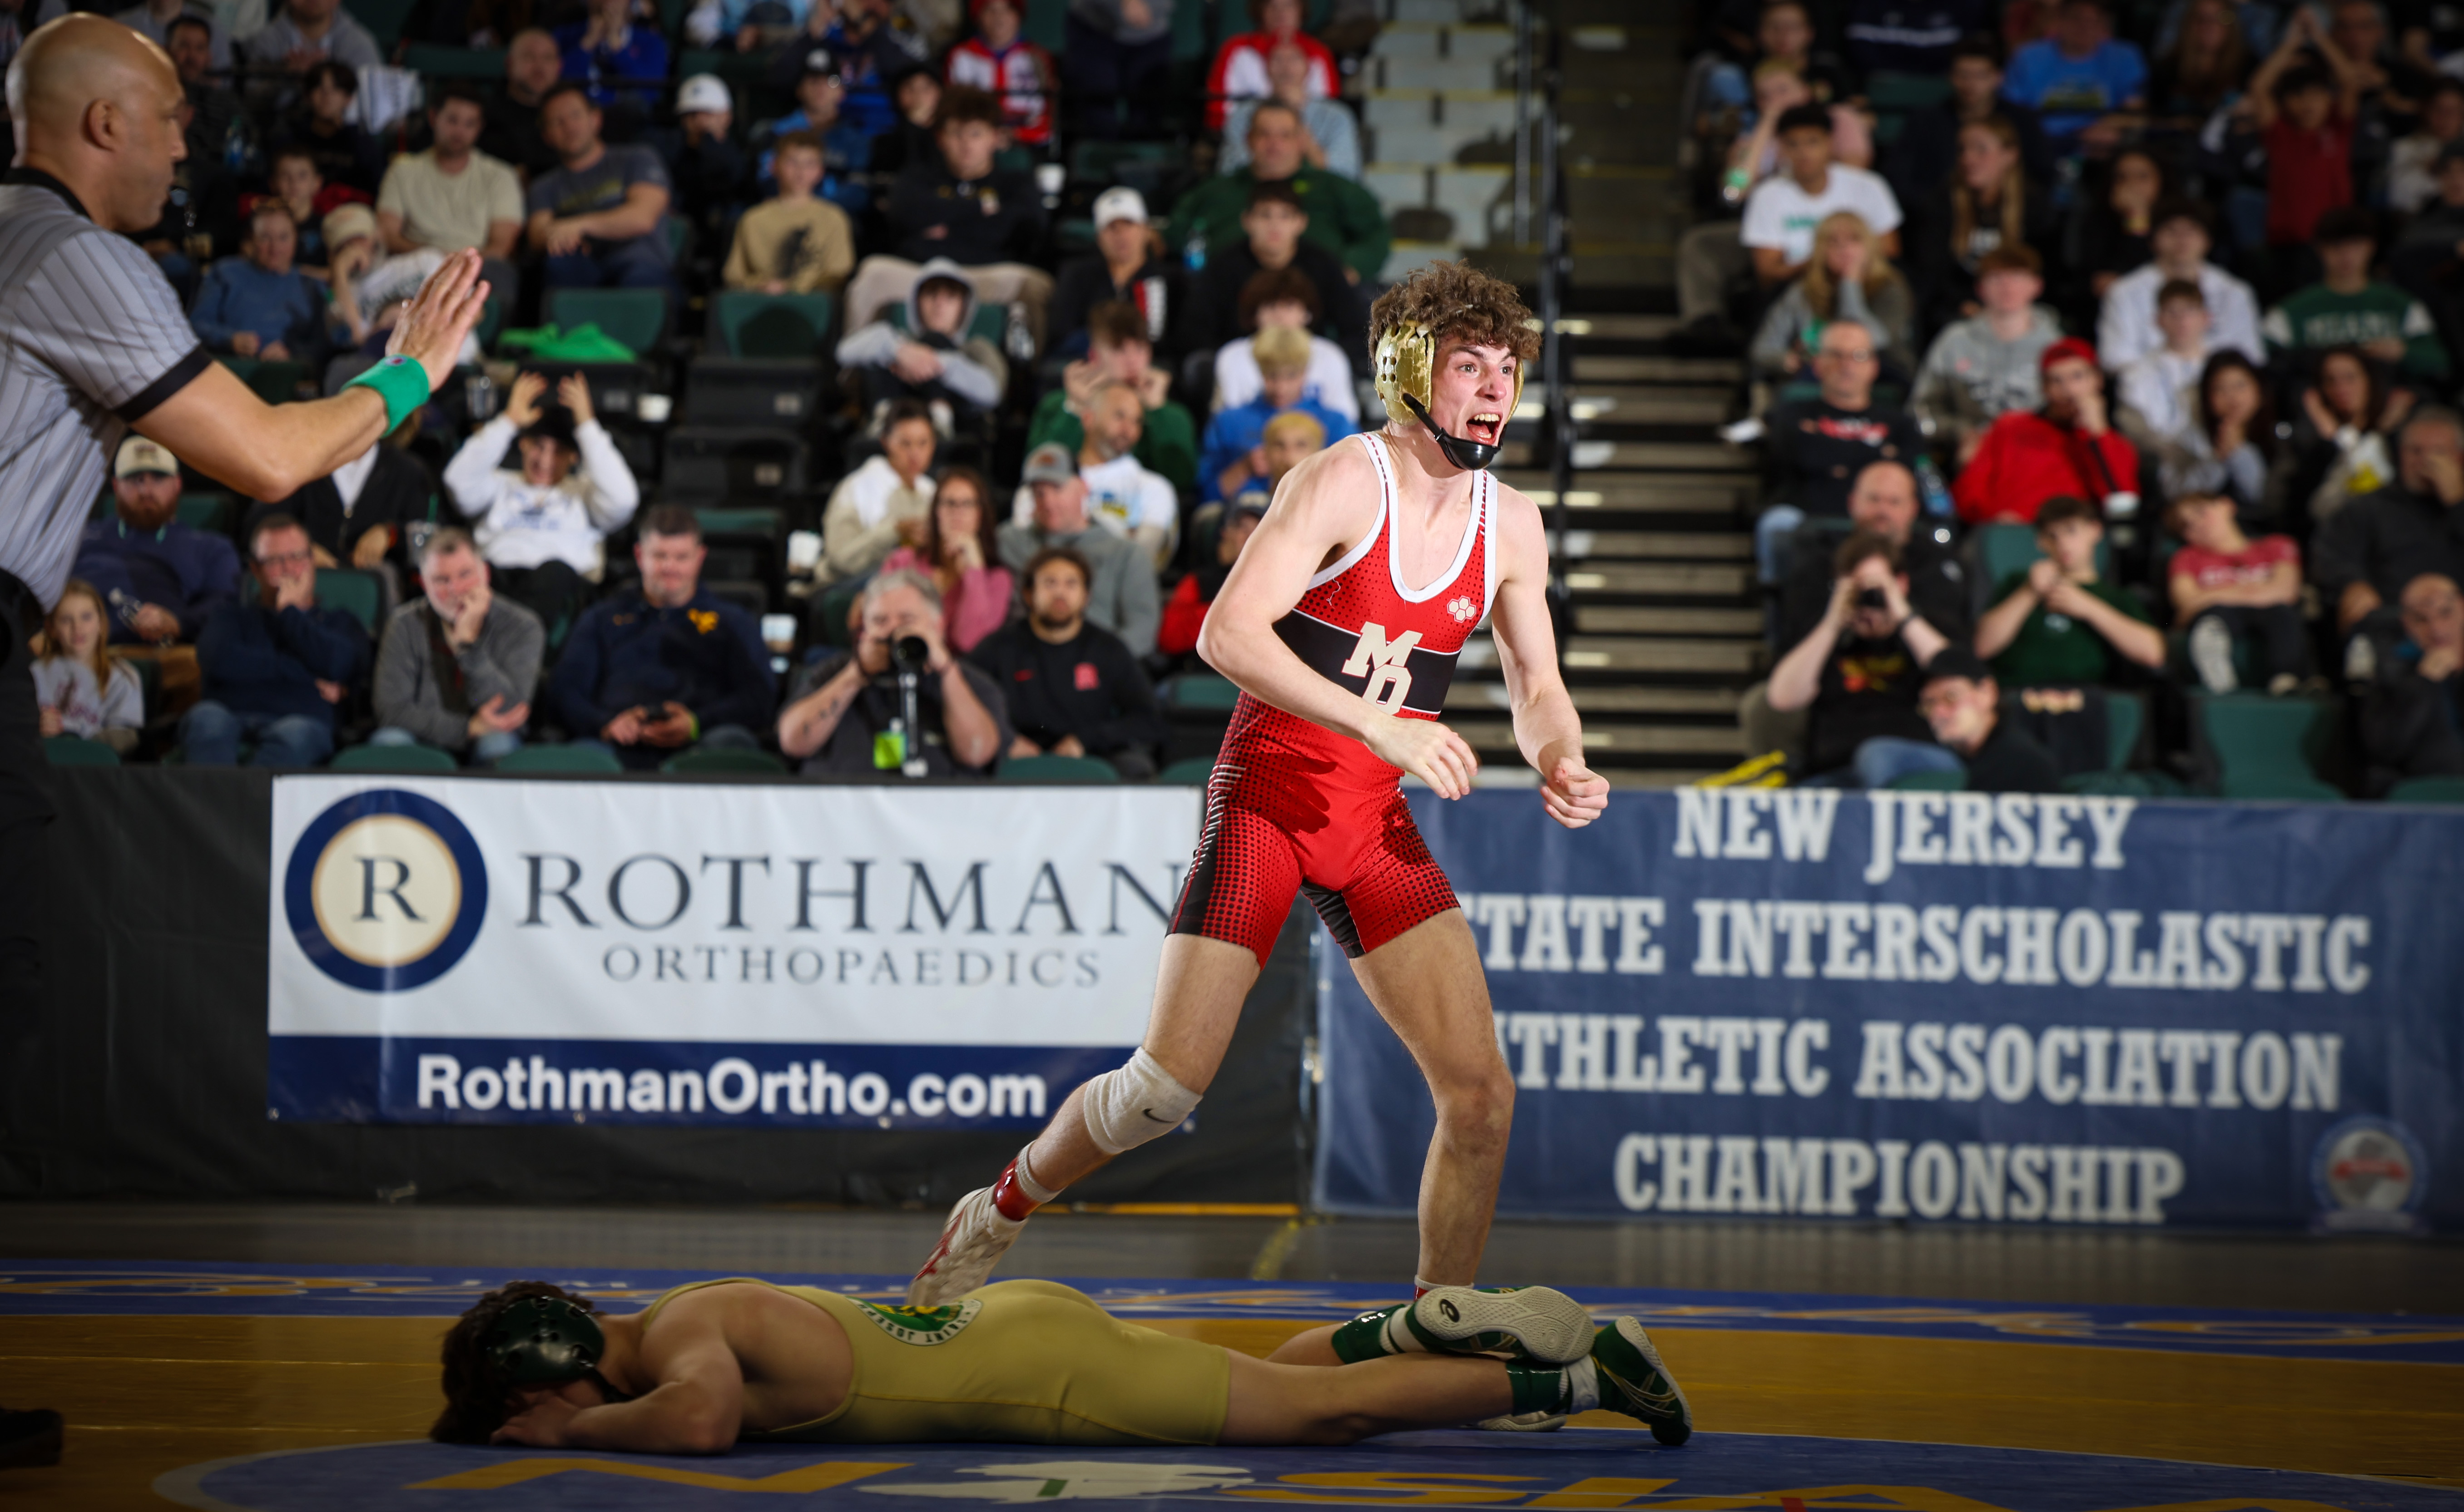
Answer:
(1957, 661)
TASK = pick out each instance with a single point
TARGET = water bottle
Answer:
(1193, 252)
(1018, 339)
(1930, 488)
(125, 604)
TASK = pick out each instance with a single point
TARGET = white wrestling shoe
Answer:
(972, 1244)
(1535, 1323)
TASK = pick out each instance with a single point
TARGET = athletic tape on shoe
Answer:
(1138, 1102)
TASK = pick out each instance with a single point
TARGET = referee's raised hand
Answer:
(441, 316)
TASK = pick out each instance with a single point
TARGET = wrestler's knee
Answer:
(1475, 1103)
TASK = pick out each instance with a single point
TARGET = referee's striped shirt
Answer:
(91, 339)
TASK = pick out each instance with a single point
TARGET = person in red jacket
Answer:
(1240, 70)
(1185, 614)
(2066, 446)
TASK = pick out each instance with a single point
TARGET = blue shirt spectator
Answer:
(259, 305)
(160, 579)
(2076, 74)
(847, 148)
(620, 61)
(276, 665)
(1234, 436)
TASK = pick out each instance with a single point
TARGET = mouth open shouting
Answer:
(1485, 428)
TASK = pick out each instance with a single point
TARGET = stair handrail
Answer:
(1538, 74)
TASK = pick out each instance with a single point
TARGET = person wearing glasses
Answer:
(1815, 448)
(277, 665)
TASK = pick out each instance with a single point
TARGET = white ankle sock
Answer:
(1582, 1386)
(1036, 1192)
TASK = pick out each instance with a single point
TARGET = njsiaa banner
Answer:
(1937, 1006)
(451, 951)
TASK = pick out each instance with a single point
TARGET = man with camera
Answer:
(848, 715)
(1860, 668)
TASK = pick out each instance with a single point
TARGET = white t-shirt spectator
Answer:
(1780, 214)
(517, 525)
(2126, 331)
(1237, 380)
(1124, 496)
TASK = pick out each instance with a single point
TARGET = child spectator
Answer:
(456, 667)
(2125, 329)
(2347, 308)
(370, 288)
(1814, 448)
(961, 208)
(1126, 265)
(1241, 70)
(2413, 715)
(2230, 590)
(1291, 439)
(2345, 444)
(960, 554)
(2079, 78)
(1071, 688)
(1986, 366)
(275, 664)
(1117, 353)
(2160, 390)
(600, 219)
(1018, 71)
(1848, 278)
(1987, 206)
(543, 528)
(1329, 138)
(259, 305)
(2412, 162)
(2064, 447)
(343, 153)
(919, 97)
(934, 357)
(1233, 452)
(1785, 210)
(2305, 117)
(1284, 297)
(291, 176)
(161, 579)
(2058, 621)
(884, 503)
(1184, 613)
(79, 687)
(794, 242)
(2227, 442)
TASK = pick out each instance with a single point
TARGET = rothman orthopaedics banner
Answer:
(1952, 1007)
(472, 950)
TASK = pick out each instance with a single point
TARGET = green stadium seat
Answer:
(1929, 782)
(771, 325)
(2004, 549)
(560, 758)
(1192, 773)
(1046, 23)
(2428, 790)
(755, 521)
(439, 63)
(362, 593)
(2126, 717)
(77, 751)
(383, 18)
(1889, 91)
(756, 762)
(212, 513)
(405, 760)
(2264, 748)
(638, 317)
(275, 382)
(1057, 768)
(1206, 691)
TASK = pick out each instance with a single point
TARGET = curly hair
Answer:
(477, 1399)
(1456, 301)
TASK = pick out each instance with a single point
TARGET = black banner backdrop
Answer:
(143, 1074)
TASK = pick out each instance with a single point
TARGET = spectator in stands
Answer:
(623, 64)
(305, 34)
(1284, 297)
(1986, 366)
(1128, 266)
(1122, 588)
(1274, 230)
(259, 305)
(2060, 621)
(2230, 591)
(1815, 448)
(533, 66)
(292, 177)
(847, 150)
(370, 291)
(1785, 210)
(1329, 138)
(2203, 67)
(1243, 68)
(456, 667)
(2079, 80)
(1783, 34)
(2116, 234)
(1184, 614)
(275, 664)
(1710, 257)
(1884, 503)
(918, 95)
(1987, 205)
(1926, 151)
(1849, 277)
(542, 527)
(962, 208)
(359, 514)
(600, 219)
(1232, 453)
(841, 714)
(1117, 353)
(794, 242)
(2159, 390)
(344, 154)
(934, 357)
(2227, 442)
(2347, 308)
(1342, 217)
(155, 18)
(161, 579)
(1962, 704)
(961, 557)
(2363, 558)
(709, 172)
(1121, 494)
(745, 26)
(1858, 673)
(2066, 447)
(1003, 64)
(884, 503)
(875, 42)
(2344, 441)
(1072, 688)
(2412, 162)
(1116, 64)
(666, 665)
(2126, 330)
(453, 195)
(81, 688)
(203, 57)
(2412, 714)
(2305, 115)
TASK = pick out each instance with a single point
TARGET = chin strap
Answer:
(1470, 456)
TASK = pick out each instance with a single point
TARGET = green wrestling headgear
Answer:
(546, 1341)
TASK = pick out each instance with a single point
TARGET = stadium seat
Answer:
(1191, 772)
(2428, 790)
(560, 758)
(2126, 717)
(772, 325)
(638, 317)
(759, 763)
(1207, 691)
(383, 18)
(1056, 769)
(362, 593)
(1929, 782)
(78, 751)
(753, 598)
(440, 63)
(275, 382)
(748, 545)
(774, 390)
(705, 464)
(211, 512)
(2257, 746)
(393, 758)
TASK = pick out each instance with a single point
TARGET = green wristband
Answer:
(401, 383)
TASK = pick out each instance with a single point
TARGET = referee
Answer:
(93, 343)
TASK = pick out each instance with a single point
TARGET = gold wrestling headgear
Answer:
(1406, 364)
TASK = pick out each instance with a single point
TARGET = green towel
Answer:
(583, 344)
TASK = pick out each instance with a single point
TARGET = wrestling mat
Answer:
(275, 1389)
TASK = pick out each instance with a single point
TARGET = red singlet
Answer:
(1293, 807)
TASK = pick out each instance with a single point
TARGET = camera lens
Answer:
(1872, 599)
(910, 653)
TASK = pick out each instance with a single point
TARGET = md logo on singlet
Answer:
(1383, 662)
(384, 890)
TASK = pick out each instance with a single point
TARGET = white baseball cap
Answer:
(1120, 203)
(703, 92)
(137, 455)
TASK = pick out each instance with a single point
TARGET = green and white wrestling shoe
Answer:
(1633, 1381)
(1533, 1323)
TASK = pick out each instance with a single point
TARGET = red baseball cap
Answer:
(2063, 351)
